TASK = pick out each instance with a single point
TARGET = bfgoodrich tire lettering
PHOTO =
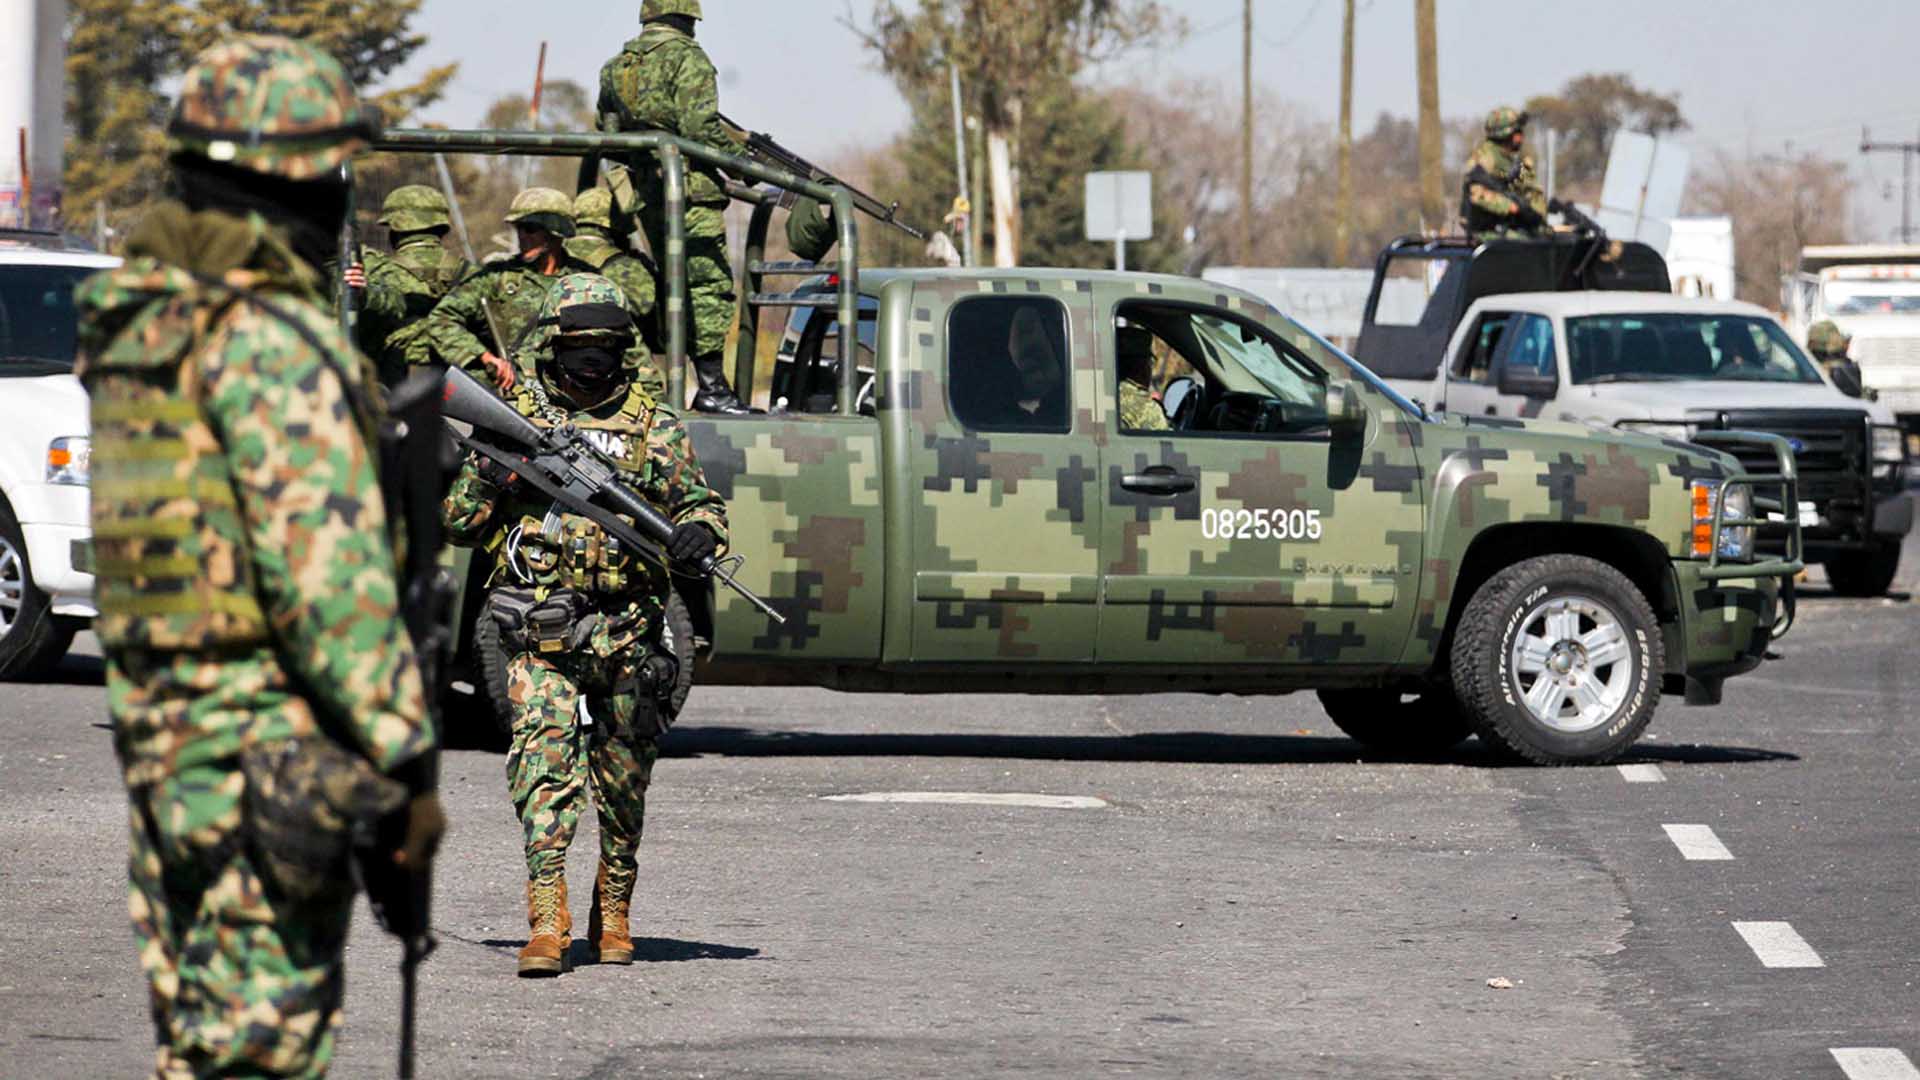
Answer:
(1558, 659)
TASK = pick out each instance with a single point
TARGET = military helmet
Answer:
(586, 306)
(270, 105)
(415, 208)
(1826, 339)
(1504, 121)
(594, 206)
(653, 9)
(543, 208)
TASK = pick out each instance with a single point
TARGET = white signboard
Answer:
(1646, 179)
(1120, 206)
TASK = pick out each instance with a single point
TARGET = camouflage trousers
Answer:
(710, 287)
(243, 980)
(556, 758)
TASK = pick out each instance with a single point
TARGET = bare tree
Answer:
(1779, 204)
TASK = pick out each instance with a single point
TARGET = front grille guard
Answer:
(1785, 484)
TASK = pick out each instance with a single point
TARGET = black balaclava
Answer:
(589, 371)
(311, 211)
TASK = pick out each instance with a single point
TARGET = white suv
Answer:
(46, 589)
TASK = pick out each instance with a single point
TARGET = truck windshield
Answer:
(1872, 298)
(37, 318)
(1657, 347)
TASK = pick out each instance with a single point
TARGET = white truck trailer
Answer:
(1872, 292)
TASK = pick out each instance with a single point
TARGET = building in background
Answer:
(32, 125)
(1700, 257)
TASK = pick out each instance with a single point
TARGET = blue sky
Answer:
(1751, 74)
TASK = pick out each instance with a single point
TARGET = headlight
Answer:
(68, 460)
(1736, 542)
(1659, 429)
(1889, 445)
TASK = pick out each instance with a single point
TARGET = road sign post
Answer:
(1119, 208)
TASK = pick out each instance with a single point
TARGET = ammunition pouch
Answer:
(305, 800)
(581, 557)
(558, 624)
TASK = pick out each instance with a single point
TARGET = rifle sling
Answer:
(529, 472)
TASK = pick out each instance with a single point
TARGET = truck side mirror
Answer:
(1346, 416)
(1526, 382)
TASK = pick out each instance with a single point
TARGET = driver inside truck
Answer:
(1739, 359)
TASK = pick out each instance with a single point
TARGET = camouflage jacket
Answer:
(529, 537)
(456, 332)
(663, 81)
(247, 587)
(1495, 184)
(1138, 410)
(634, 275)
(402, 289)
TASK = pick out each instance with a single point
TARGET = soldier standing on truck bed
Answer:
(1499, 196)
(663, 81)
(580, 618)
(263, 688)
(595, 244)
(402, 288)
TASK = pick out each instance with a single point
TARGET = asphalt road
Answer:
(1249, 895)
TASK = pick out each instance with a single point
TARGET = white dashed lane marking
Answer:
(1697, 842)
(1778, 946)
(1642, 774)
(1874, 1063)
(975, 798)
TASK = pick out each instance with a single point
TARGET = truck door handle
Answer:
(1491, 410)
(1159, 480)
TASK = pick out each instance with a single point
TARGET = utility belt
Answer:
(565, 624)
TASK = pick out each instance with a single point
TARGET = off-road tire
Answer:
(1384, 720)
(1485, 673)
(490, 656)
(1868, 574)
(33, 644)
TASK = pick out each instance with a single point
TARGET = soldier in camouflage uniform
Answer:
(580, 617)
(402, 288)
(246, 579)
(1500, 198)
(1138, 410)
(457, 332)
(663, 81)
(1829, 344)
(595, 244)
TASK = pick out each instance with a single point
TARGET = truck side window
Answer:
(1475, 364)
(1532, 348)
(1007, 364)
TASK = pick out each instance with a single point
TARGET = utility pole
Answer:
(1906, 150)
(1343, 198)
(1246, 134)
(963, 207)
(1433, 201)
(533, 107)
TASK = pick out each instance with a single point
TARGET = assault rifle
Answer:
(568, 469)
(1576, 217)
(762, 148)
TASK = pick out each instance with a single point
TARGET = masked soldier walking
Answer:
(402, 288)
(663, 81)
(580, 618)
(1500, 197)
(595, 244)
(502, 298)
(263, 689)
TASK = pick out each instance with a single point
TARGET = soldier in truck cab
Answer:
(1500, 198)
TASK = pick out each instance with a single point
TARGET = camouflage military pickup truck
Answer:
(961, 509)
(983, 521)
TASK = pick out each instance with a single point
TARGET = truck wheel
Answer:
(32, 641)
(1867, 575)
(1558, 659)
(1389, 721)
(676, 634)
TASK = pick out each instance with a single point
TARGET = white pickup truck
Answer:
(1674, 366)
(46, 590)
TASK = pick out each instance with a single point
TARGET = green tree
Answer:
(1009, 54)
(1586, 112)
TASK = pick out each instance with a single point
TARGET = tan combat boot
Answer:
(549, 926)
(607, 926)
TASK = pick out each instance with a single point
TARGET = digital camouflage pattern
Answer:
(596, 246)
(653, 9)
(542, 208)
(663, 81)
(1826, 341)
(402, 290)
(456, 332)
(1497, 182)
(269, 104)
(246, 584)
(556, 753)
(415, 208)
(1138, 410)
(1502, 122)
(906, 541)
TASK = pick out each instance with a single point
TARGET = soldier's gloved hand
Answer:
(1527, 217)
(496, 475)
(692, 543)
(426, 823)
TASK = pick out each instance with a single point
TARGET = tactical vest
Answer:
(172, 567)
(1478, 220)
(568, 551)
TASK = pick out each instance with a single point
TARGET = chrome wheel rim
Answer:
(13, 586)
(1572, 665)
